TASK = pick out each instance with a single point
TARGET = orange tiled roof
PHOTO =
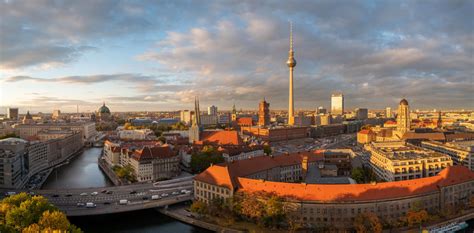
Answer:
(390, 122)
(251, 166)
(221, 138)
(360, 192)
(365, 131)
(216, 175)
(245, 121)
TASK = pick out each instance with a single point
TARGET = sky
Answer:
(158, 55)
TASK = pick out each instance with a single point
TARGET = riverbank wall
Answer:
(177, 213)
(109, 172)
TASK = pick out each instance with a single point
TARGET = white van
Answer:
(123, 202)
(90, 205)
(155, 197)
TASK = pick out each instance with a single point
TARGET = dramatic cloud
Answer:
(142, 82)
(226, 51)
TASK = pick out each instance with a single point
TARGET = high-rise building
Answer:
(263, 113)
(321, 110)
(56, 114)
(337, 104)
(185, 116)
(212, 110)
(291, 64)
(12, 113)
(403, 117)
(388, 112)
(361, 113)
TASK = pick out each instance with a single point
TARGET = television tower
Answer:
(291, 64)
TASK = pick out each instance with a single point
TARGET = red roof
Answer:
(360, 192)
(146, 152)
(390, 122)
(251, 166)
(221, 138)
(365, 131)
(245, 121)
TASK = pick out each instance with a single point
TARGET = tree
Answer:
(33, 228)
(199, 207)
(267, 149)
(127, 126)
(417, 217)
(54, 220)
(252, 208)
(367, 222)
(24, 213)
(162, 139)
(358, 175)
(202, 160)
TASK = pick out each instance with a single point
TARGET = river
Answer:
(83, 172)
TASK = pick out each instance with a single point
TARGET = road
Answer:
(107, 200)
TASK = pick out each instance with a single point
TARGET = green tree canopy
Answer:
(25, 213)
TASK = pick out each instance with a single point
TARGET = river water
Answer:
(83, 172)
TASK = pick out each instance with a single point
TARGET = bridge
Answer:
(106, 200)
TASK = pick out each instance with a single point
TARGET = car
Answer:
(155, 197)
(175, 193)
(144, 198)
(106, 203)
(104, 191)
(68, 195)
(133, 192)
(123, 202)
(183, 191)
(94, 193)
(109, 192)
(55, 195)
(83, 194)
(164, 195)
(90, 205)
(80, 204)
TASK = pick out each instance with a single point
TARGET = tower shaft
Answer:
(291, 104)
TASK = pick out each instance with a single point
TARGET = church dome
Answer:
(104, 109)
(403, 102)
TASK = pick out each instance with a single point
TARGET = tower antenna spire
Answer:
(291, 36)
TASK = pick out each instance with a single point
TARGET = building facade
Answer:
(394, 161)
(264, 113)
(403, 118)
(212, 110)
(337, 104)
(314, 205)
(87, 129)
(12, 114)
(462, 153)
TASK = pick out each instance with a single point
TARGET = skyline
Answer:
(146, 56)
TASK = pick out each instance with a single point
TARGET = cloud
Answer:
(374, 52)
(146, 83)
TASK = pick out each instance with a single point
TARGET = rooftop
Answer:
(360, 192)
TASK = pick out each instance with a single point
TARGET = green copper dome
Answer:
(104, 109)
